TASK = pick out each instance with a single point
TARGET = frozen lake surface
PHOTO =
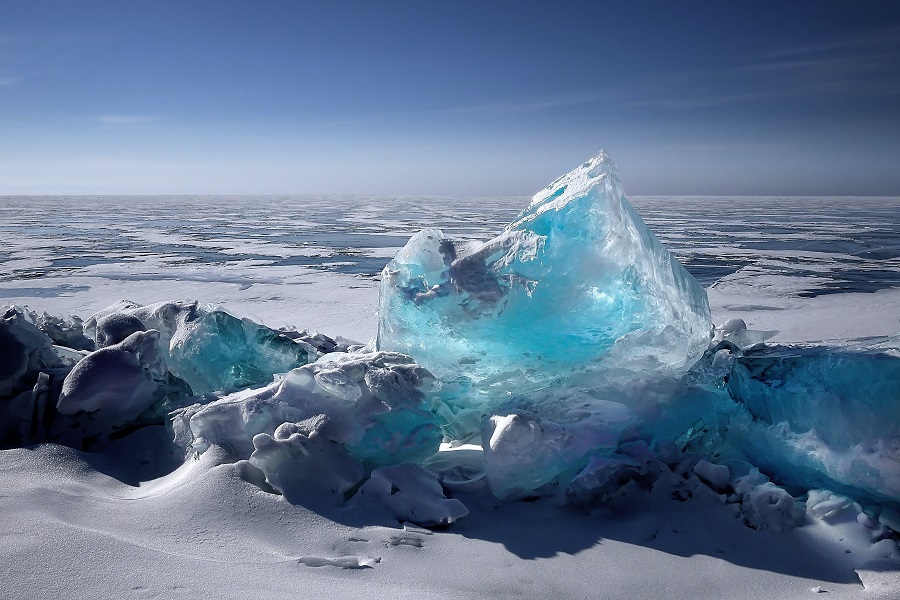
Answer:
(314, 262)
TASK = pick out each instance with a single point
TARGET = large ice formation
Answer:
(576, 286)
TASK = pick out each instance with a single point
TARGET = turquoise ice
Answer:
(575, 286)
(819, 416)
(208, 348)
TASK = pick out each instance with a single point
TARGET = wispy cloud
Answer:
(531, 105)
(861, 68)
(876, 39)
(8, 81)
(126, 120)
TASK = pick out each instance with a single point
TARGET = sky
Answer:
(461, 98)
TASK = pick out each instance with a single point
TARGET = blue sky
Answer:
(456, 98)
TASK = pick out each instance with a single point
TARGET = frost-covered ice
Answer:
(568, 362)
(371, 405)
(208, 348)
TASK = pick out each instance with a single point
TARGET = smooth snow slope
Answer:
(70, 530)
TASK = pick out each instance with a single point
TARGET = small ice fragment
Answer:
(412, 494)
(406, 540)
(714, 475)
(344, 562)
(736, 332)
(413, 528)
(304, 465)
(600, 479)
(823, 507)
(763, 504)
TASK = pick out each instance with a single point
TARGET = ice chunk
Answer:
(304, 465)
(120, 380)
(374, 405)
(601, 478)
(715, 475)
(575, 284)
(523, 452)
(24, 352)
(459, 468)
(31, 375)
(736, 332)
(763, 504)
(823, 416)
(63, 332)
(222, 352)
(825, 505)
(208, 348)
(412, 494)
(114, 328)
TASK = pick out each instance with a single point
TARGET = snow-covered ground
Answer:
(127, 521)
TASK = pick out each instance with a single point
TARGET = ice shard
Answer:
(575, 286)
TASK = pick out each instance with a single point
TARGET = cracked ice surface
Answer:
(576, 285)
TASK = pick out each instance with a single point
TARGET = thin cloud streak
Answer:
(875, 39)
(539, 104)
(126, 120)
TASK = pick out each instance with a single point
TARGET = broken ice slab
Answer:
(577, 285)
(31, 375)
(823, 416)
(374, 405)
(206, 347)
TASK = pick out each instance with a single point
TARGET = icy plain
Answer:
(213, 527)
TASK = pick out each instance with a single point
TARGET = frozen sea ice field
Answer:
(566, 372)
